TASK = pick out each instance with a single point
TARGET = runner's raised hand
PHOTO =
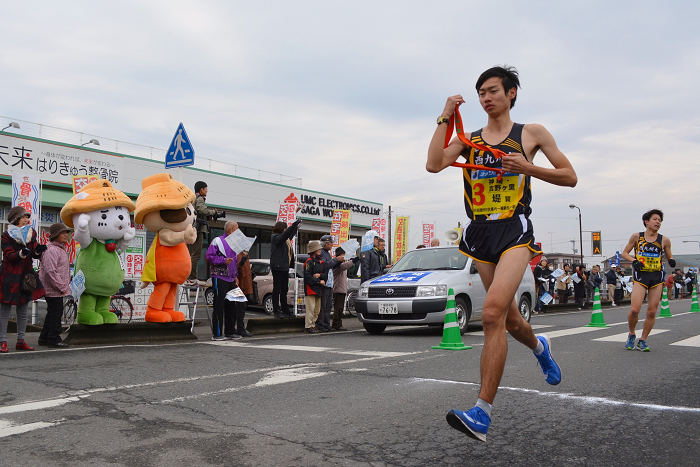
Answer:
(452, 103)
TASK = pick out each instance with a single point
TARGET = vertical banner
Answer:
(288, 211)
(26, 192)
(428, 233)
(340, 227)
(400, 237)
(134, 259)
(79, 181)
(617, 258)
(379, 226)
(135, 254)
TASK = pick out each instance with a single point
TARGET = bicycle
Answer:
(119, 304)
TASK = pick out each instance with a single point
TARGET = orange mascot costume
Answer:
(165, 206)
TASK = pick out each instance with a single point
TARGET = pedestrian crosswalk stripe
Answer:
(623, 337)
(689, 342)
(572, 331)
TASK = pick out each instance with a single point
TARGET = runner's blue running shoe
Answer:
(552, 373)
(630, 342)
(642, 345)
(473, 423)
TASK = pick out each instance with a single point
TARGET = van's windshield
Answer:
(431, 259)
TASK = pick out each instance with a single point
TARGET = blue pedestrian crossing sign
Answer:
(180, 153)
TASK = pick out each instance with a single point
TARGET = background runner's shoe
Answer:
(630, 341)
(552, 373)
(642, 345)
(473, 423)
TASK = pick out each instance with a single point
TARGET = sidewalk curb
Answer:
(79, 334)
(263, 326)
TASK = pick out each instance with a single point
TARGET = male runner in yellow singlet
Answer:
(498, 235)
(648, 268)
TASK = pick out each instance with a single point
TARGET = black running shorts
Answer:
(649, 279)
(486, 241)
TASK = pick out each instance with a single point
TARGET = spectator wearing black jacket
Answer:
(323, 323)
(281, 259)
(315, 277)
(678, 279)
(594, 281)
(580, 286)
(611, 279)
(541, 273)
(690, 283)
(374, 261)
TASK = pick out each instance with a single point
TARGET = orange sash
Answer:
(456, 120)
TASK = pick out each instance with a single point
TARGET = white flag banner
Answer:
(239, 242)
(350, 247)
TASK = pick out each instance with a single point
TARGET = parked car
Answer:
(263, 280)
(415, 289)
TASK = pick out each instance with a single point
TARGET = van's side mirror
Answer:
(472, 269)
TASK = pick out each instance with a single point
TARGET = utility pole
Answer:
(388, 236)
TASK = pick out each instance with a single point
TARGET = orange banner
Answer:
(400, 237)
(340, 227)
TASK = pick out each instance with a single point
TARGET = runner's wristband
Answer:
(637, 265)
(672, 262)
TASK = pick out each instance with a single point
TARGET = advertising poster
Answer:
(26, 192)
(400, 237)
(379, 226)
(340, 227)
(288, 212)
(428, 233)
(134, 259)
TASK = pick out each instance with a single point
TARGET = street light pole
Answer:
(580, 230)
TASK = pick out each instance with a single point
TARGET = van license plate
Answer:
(388, 309)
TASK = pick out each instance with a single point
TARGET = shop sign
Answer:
(57, 163)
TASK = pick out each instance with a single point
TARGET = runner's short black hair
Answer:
(647, 215)
(509, 79)
(198, 186)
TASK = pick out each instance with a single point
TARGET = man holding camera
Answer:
(203, 213)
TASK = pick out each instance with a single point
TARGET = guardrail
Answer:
(79, 138)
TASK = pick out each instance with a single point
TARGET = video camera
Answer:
(217, 216)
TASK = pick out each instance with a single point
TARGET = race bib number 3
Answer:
(650, 261)
(491, 196)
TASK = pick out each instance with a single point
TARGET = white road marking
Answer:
(9, 429)
(533, 326)
(288, 376)
(579, 330)
(270, 379)
(45, 404)
(576, 398)
(308, 348)
(623, 337)
(689, 342)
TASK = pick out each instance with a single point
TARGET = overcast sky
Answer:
(345, 94)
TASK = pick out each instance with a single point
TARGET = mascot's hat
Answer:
(161, 192)
(95, 195)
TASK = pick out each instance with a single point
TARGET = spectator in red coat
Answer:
(19, 248)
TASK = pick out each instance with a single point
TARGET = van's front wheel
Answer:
(524, 307)
(463, 314)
